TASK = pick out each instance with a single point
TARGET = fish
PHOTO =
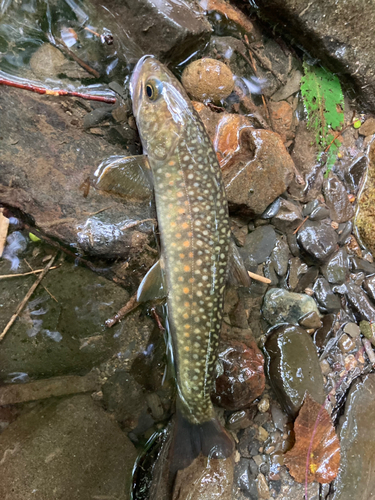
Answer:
(193, 221)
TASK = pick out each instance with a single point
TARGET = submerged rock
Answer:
(66, 449)
(327, 300)
(293, 367)
(360, 302)
(336, 269)
(281, 306)
(356, 477)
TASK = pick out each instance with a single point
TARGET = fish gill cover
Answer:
(324, 103)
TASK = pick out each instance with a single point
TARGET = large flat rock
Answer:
(69, 449)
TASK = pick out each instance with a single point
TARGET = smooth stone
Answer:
(309, 207)
(352, 329)
(311, 320)
(356, 478)
(272, 209)
(293, 367)
(320, 213)
(359, 264)
(307, 279)
(360, 302)
(281, 306)
(355, 172)
(296, 268)
(345, 230)
(62, 449)
(325, 297)
(336, 269)
(368, 127)
(318, 240)
(280, 256)
(337, 199)
(260, 243)
(369, 286)
(346, 344)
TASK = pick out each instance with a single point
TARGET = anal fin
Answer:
(153, 285)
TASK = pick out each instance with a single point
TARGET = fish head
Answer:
(161, 108)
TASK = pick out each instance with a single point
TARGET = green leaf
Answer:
(324, 103)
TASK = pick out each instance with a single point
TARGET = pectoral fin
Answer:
(127, 176)
(237, 273)
(153, 285)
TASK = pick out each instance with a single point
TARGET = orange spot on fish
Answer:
(191, 280)
(186, 243)
(187, 348)
(186, 269)
(171, 163)
(178, 235)
(187, 326)
(187, 304)
(180, 194)
(191, 255)
(180, 278)
(185, 316)
(173, 224)
(181, 210)
(171, 183)
(185, 225)
(190, 235)
(187, 335)
(182, 255)
(186, 290)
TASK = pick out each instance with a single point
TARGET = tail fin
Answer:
(190, 440)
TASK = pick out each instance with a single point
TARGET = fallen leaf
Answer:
(4, 224)
(317, 449)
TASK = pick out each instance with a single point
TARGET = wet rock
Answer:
(304, 156)
(318, 240)
(272, 209)
(66, 449)
(360, 302)
(296, 268)
(69, 336)
(242, 375)
(344, 232)
(124, 399)
(288, 218)
(356, 475)
(362, 265)
(260, 243)
(327, 300)
(346, 344)
(322, 335)
(45, 162)
(368, 127)
(171, 31)
(252, 185)
(307, 280)
(205, 480)
(262, 486)
(281, 114)
(337, 199)
(281, 306)
(320, 30)
(336, 269)
(352, 329)
(311, 320)
(293, 367)
(280, 256)
(208, 79)
(291, 87)
(355, 172)
(369, 286)
(243, 478)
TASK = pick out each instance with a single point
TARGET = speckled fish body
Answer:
(193, 224)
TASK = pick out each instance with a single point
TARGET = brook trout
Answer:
(194, 231)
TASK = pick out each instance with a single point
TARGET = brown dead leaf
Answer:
(317, 448)
(4, 224)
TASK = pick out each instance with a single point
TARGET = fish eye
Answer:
(153, 89)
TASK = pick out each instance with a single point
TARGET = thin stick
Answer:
(258, 277)
(136, 223)
(369, 351)
(45, 288)
(42, 90)
(128, 307)
(36, 271)
(61, 45)
(302, 223)
(26, 298)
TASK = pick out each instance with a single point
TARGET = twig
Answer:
(262, 61)
(98, 211)
(369, 351)
(152, 250)
(43, 90)
(45, 288)
(128, 307)
(302, 223)
(36, 271)
(61, 45)
(26, 298)
(339, 133)
(136, 223)
(258, 277)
